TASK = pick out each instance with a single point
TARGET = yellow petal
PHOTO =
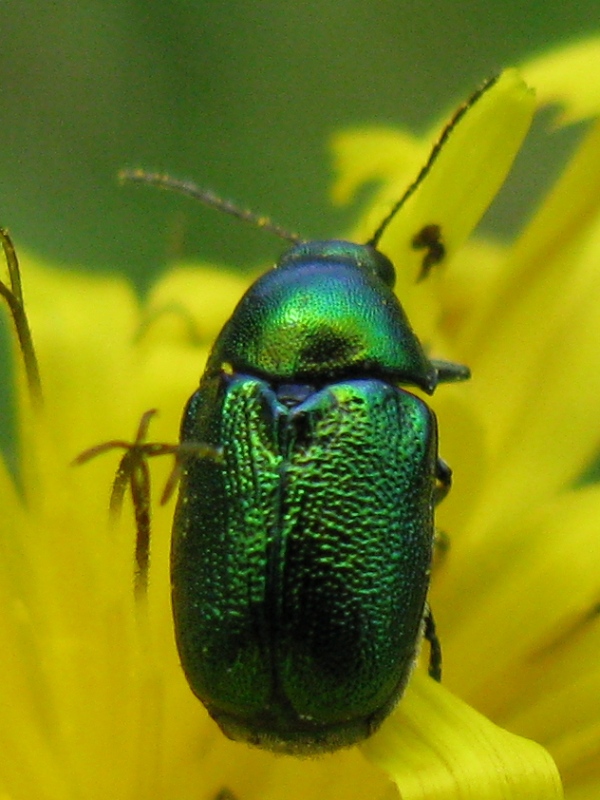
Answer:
(372, 154)
(539, 334)
(435, 746)
(193, 300)
(539, 672)
(567, 76)
(539, 598)
(79, 340)
(467, 173)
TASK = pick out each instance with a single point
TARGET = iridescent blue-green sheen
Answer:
(323, 311)
(300, 560)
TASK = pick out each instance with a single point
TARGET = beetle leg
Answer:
(450, 371)
(435, 648)
(443, 475)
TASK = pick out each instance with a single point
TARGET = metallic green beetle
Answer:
(303, 534)
(301, 558)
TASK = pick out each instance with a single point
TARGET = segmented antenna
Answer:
(209, 198)
(460, 112)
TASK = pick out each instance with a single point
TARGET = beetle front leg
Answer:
(435, 648)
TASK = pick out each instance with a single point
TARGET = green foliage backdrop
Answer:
(242, 96)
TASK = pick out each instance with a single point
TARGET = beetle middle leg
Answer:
(443, 475)
(441, 542)
(435, 648)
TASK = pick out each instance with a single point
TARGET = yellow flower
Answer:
(93, 703)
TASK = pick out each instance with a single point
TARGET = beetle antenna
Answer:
(209, 198)
(435, 151)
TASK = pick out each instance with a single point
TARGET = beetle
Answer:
(309, 471)
(300, 559)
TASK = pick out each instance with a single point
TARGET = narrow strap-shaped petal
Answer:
(468, 172)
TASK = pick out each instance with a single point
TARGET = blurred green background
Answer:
(241, 96)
